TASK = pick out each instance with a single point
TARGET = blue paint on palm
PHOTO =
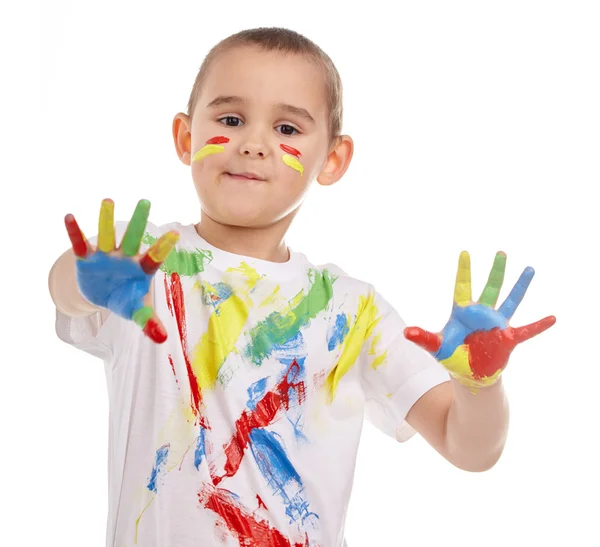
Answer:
(465, 320)
(115, 283)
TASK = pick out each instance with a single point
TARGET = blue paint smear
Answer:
(338, 333)
(161, 460)
(115, 283)
(200, 452)
(280, 474)
(256, 392)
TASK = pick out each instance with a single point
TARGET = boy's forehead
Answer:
(266, 77)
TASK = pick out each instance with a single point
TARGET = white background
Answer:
(476, 127)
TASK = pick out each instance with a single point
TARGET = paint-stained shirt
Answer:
(243, 427)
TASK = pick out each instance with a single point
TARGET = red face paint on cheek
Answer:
(290, 150)
(217, 140)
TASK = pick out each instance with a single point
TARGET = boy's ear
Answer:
(337, 161)
(183, 137)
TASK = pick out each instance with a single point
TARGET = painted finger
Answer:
(80, 244)
(158, 252)
(132, 239)
(427, 340)
(521, 334)
(510, 305)
(150, 324)
(491, 291)
(462, 287)
(106, 226)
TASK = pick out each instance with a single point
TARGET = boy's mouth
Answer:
(246, 175)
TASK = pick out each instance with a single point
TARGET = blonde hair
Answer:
(285, 41)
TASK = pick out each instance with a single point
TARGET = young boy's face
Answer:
(271, 110)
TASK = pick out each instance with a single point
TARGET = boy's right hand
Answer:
(118, 278)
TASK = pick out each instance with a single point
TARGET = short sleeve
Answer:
(90, 333)
(395, 371)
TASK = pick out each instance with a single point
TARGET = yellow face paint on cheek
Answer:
(293, 162)
(207, 151)
(213, 146)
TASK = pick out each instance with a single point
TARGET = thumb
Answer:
(427, 340)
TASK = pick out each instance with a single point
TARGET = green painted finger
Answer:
(135, 229)
(491, 291)
(143, 315)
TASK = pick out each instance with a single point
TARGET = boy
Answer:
(238, 372)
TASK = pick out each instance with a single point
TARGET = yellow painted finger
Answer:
(462, 287)
(106, 226)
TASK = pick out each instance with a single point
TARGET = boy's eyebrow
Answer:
(230, 99)
(302, 112)
(225, 99)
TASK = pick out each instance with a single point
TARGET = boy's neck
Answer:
(263, 243)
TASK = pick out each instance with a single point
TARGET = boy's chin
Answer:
(243, 215)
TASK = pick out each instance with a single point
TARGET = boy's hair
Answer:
(285, 41)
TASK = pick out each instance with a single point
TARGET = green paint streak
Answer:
(183, 262)
(278, 328)
(135, 229)
(142, 316)
(491, 291)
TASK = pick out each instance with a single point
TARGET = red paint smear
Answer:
(168, 294)
(179, 308)
(173, 367)
(489, 350)
(319, 379)
(265, 413)
(217, 140)
(427, 340)
(80, 246)
(249, 529)
(290, 150)
(261, 502)
(155, 331)
(148, 265)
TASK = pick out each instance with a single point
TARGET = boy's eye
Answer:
(287, 129)
(231, 121)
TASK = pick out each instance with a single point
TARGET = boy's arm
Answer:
(62, 283)
(468, 430)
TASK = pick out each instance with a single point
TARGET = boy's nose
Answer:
(254, 150)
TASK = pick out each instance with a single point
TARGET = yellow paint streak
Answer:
(137, 522)
(252, 276)
(358, 333)
(162, 247)
(106, 226)
(293, 162)
(462, 287)
(379, 359)
(207, 151)
(224, 328)
(270, 299)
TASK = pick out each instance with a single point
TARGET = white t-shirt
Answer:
(242, 428)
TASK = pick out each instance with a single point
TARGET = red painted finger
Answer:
(80, 245)
(155, 331)
(427, 340)
(521, 334)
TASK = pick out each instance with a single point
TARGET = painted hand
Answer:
(118, 278)
(476, 343)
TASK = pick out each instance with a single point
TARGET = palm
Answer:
(476, 342)
(117, 279)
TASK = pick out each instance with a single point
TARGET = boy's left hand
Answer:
(476, 343)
